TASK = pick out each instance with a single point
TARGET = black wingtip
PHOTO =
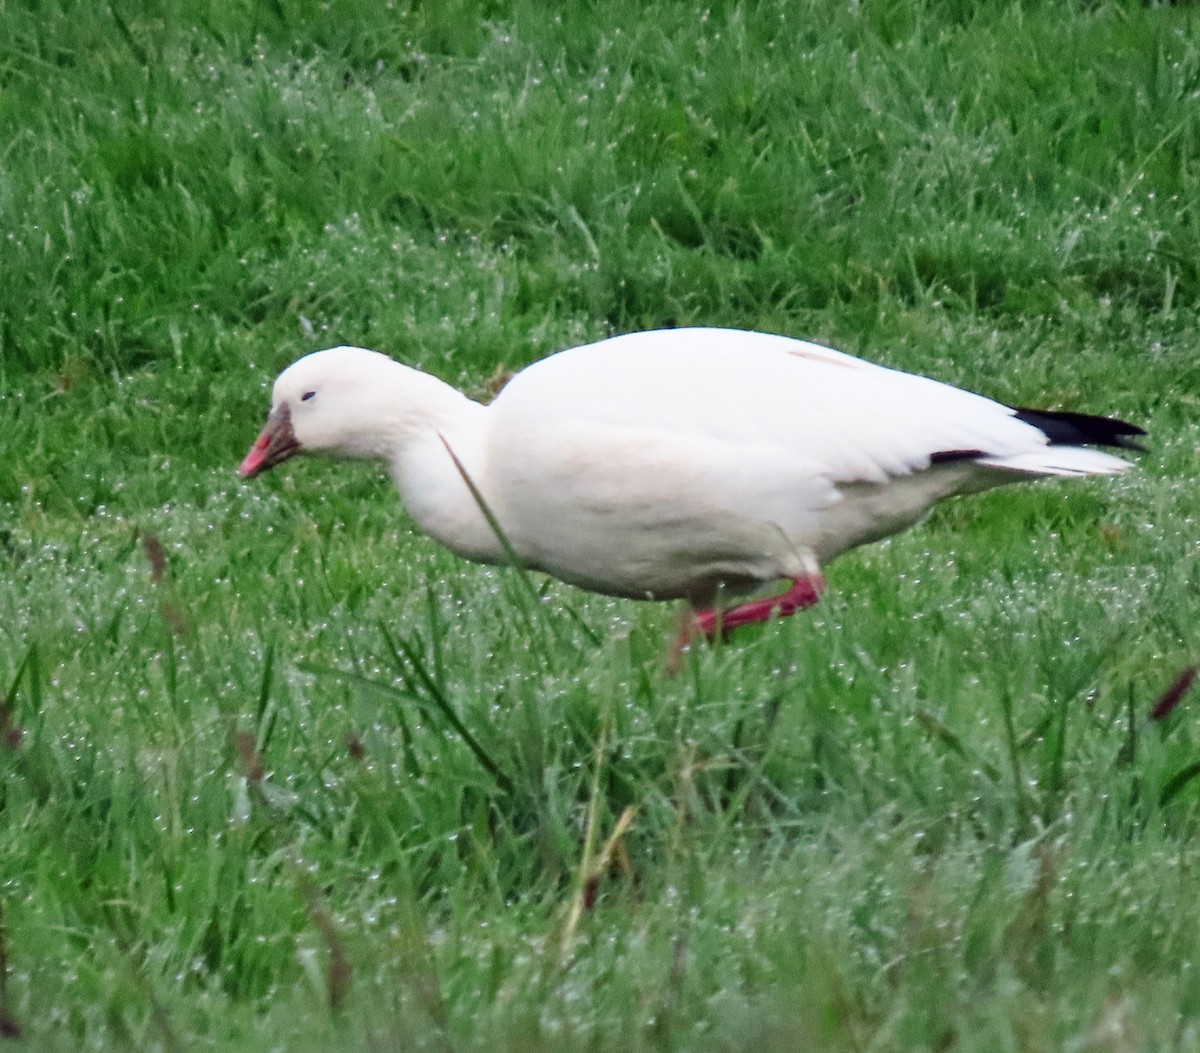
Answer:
(1082, 429)
(953, 456)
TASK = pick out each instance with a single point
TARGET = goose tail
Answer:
(1059, 460)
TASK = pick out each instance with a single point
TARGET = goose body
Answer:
(678, 463)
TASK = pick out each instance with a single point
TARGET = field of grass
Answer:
(277, 774)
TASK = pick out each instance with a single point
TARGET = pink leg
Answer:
(803, 593)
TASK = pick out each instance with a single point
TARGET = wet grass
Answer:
(279, 774)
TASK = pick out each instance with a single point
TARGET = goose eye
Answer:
(307, 395)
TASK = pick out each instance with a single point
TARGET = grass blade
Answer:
(943, 733)
(435, 695)
(1176, 783)
(429, 705)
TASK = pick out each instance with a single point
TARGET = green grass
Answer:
(303, 757)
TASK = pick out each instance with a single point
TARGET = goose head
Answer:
(351, 402)
(326, 402)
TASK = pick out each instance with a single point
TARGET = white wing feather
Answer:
(855, 421)
(661, 463)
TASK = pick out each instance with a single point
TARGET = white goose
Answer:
(680, 463)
